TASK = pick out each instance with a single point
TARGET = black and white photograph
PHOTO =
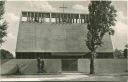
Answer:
(64, 40)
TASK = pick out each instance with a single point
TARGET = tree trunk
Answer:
(92, 68)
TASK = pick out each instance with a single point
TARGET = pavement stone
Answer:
(65, 77)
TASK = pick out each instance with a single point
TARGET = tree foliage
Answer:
(5, 54)
(126, 51)
(101, 18)
(126, 46)
(3, 24)
(118, 53)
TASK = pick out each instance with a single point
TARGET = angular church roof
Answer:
(51, 37)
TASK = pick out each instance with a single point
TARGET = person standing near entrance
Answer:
(38, 64)
(42, 66)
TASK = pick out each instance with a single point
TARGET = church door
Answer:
(69, 65)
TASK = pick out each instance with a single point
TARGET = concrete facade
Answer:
(103, 65)
(50, 37)
(55, 39)
(29, 66)
(52, 65)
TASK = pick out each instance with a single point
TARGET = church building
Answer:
(57, 35)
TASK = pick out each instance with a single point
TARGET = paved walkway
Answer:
(65, 77)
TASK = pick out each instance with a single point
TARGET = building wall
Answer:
(83, 65)
(103, 65)
(52, 37)
(25, 66)
(29, 66)
(52, 65)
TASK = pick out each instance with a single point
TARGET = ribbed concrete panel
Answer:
(51, 37)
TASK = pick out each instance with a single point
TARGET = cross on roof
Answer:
(63, 7)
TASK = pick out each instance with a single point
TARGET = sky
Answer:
(13, 10)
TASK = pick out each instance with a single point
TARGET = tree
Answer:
(126, 46)
(3, 24)
(118, 53)
(101, 17)
(5, 54)
(126, 51)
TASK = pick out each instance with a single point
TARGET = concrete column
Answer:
(79, 18)
(76, 18)
(38, 17)
(70, 18)
(59, 18)
(50, 17)
(34, 17)
(56, 18)
(81, 21)
(30, 16)
(41, 17)
(85, 19)
(67, 18)
(27, 16)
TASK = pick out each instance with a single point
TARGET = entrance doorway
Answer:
(69, 65)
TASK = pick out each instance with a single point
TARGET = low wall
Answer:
(103, 65)
(83, 65)
(24, 66)
(127, 64)
(8, 67)
(52, 65)
(29, 66)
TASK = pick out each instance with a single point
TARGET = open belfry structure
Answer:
(57, 35)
